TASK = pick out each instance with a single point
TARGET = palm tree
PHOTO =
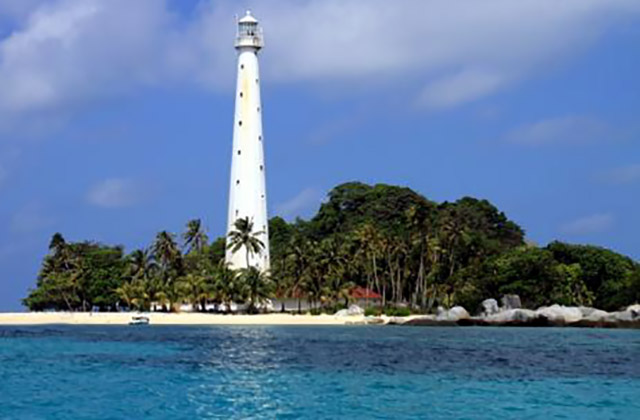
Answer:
(195, 289)
(258, 286)
(141, 265)
(165, 249)
(244, 237)
(167, 253)
(296, 265)
(195, 237)
(227, 285)
(151, 290)
(371, 243)
(340, 289)
(129, 293)
(332, 261)
(315, 277)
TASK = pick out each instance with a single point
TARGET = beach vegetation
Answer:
(411, 253)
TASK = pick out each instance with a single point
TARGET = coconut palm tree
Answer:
(195, 289)
(228, 286)
(168, 256)
(195, 238)
(165, 249)
(295, 267)
(244, 237)
(129, 293)
(258, 286)
(371, 245)
(141, 265)
(315, 277)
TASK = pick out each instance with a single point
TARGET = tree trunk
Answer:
(66, 300)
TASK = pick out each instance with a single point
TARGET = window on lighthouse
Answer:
(247, 28)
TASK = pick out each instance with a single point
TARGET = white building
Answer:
(247, 191)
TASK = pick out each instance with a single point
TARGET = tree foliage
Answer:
(414, 252)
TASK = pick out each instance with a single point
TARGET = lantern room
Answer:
(249, 33)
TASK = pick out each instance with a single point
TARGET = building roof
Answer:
(248, 18)
(364, 293)
(355, 293)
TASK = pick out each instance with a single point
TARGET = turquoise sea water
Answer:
(157, 372)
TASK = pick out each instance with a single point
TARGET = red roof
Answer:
(356, 293)
(364, 293)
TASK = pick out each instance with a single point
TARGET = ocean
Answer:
(157, 372)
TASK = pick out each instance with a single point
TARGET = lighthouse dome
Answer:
(248, 18)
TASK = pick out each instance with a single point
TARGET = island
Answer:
(386, 250)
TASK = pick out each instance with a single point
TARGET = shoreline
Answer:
(553, 316)
(159, 318)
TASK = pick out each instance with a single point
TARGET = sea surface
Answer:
(157, 372)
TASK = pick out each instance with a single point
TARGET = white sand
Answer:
(85, 318)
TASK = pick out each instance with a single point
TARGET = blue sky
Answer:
(116, 116)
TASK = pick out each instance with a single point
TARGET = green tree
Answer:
(569, 288)
(244, 237)
(169, 258)
(130, 294)
(604, 272)
(196, 290)
(229, 286)
(195, 238)
(258, 287)
(385, 238)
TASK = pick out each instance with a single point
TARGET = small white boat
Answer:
(139, 320)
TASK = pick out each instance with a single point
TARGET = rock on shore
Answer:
(454, 314)
(512, 315)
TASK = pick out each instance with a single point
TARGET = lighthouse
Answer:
(247, 189)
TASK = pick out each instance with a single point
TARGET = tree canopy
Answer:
(412, 251)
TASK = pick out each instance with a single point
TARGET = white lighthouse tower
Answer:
(247, 190)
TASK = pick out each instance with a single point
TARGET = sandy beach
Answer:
(85, 318)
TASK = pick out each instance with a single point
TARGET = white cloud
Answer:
(587, 225)
(65, 53)
(302, 202)
(462, 87)
(572, 129)
(481, 46)
(115, 193)
(622, 175)
(71, 50)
